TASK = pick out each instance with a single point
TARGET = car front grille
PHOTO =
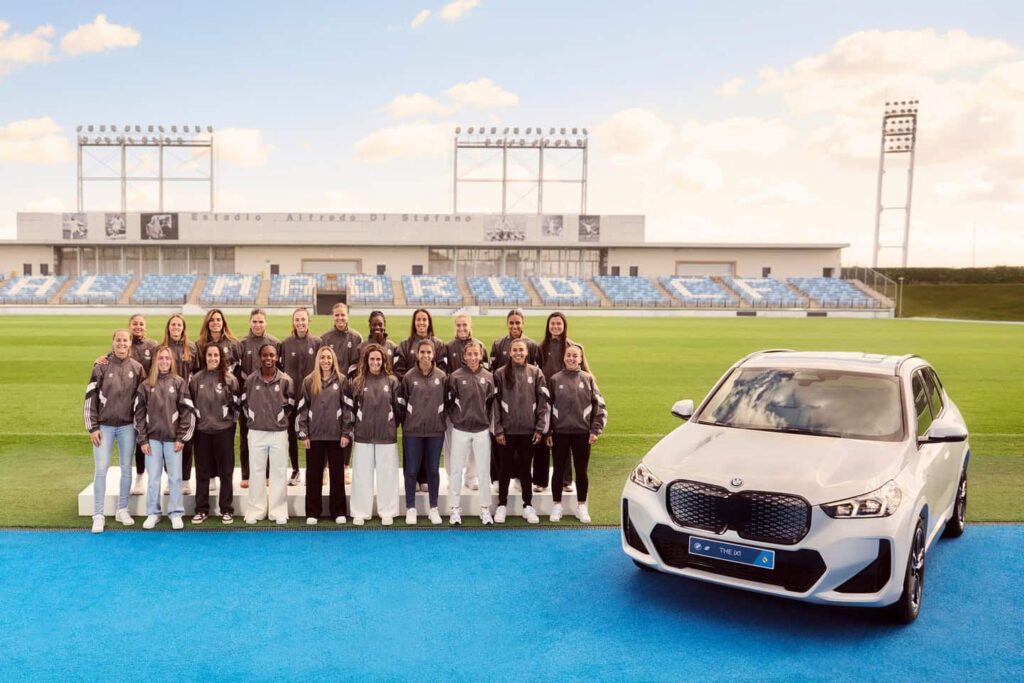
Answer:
(754, 515)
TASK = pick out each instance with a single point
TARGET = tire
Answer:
(643, 566)
(958, 521)
(906, 609)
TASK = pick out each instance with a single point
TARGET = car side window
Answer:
(934, 391)
(921, 406)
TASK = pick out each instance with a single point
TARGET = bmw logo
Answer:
(736, 482)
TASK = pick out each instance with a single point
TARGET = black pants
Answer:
(215, 457)
(317, 453)
(293, 446)
(496, 459)
(140, 460)
(542, 456)
(579, 447)
(516, 458)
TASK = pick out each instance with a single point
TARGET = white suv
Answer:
(818, 476)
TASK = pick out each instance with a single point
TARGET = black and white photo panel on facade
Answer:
(75, 226)
(590, 228)
(159, 226)
(505, 229)
(115, 225)
(551, 226)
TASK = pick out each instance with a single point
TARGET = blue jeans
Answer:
(425, 451)
(125, 438)
(162, 454)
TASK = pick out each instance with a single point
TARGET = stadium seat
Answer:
(235, 289)
(427, 290)
(164, 289)
(830, 292)
(697, 291)
(626, 290)
(764, 291)
(498, 291)
(29, 289)
(563, 290)
(97, 289)
(369, 289)
(295, 290)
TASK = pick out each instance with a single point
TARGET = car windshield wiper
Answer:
(805, 430)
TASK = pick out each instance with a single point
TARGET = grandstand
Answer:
(498, 291)
(625, 290)
(26, 289)
(697, 291)
(431, 290)
(830, 292)
(564, 291)
(295, 290)
(236, 289)
(97, 289)
(156, 289)
(765, 292)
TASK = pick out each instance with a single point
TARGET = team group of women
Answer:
(499, 419)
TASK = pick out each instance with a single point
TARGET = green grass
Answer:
(642, 365)
(967, 302)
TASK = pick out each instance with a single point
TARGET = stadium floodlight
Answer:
(103, 129)
(529, 131)
(574, 131)
(184, 129)
(90, 129)
(138, 129)
(551, 131)
(78, 129)
(458, 130)
(515, 131)
(493, 130)
(174, 129)
(469, 131)
(145, 140)
(585, 131)
(209, 129)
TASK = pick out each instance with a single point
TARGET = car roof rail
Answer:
(902, 360)
(758, 353)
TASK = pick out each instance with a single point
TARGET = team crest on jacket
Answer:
(529, 380)
(415, 382)
(131, 374)
(582, 386)
(170, 390)
(277, 388)
(349, 345)
(437, 380)
(311, 350)
(482, 380)
(147, 353)
(386, 388)
(335, 386)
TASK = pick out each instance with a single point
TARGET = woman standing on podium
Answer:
(215, 395)
(422, 399)
(318, 423)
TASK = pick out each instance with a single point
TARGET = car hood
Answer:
(821, 469)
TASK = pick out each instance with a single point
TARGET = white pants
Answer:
(264, 446)
(469, 462)
(369, 459)
(465, 445)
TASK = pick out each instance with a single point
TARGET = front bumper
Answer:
(839, 561)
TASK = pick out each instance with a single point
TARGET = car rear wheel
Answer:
(958, 522)
(643, 566)
(906, 609)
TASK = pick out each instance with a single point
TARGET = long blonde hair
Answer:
(364, 365)
(316, 383)
(154, 372)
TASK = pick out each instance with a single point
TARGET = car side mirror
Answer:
(683, 409)
(944, 431)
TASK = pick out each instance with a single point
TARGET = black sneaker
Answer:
(199, 518)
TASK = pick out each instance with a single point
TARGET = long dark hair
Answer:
(204, 330)
(222, 367)
(412, 324)
(509, 369)
(546, 344)
(364, 365)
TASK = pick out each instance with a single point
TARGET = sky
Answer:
(720, 122)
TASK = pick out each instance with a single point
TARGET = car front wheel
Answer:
(906, 609)
(958, 522)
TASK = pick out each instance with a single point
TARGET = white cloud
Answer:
(730, 88)
(34, 141)
(46, 205)
(99, 36)
(457, 9)
(405, 141)
(981, 184)
(482, 93)
(695, 173)
(784, 192)
(633, 136)
(242, 146)
(418, 104)
(28, 48)
(737, 135)
(420, 18)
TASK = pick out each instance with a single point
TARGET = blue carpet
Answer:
(476, 605)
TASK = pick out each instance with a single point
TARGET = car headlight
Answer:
(881, 502)
(642, 476)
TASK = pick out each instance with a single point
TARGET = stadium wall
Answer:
(744, 260)
(398, 260)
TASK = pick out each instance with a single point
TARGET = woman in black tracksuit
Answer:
(552, 353)
(215, 394)
(578, 416)
(523, 418)
(184, 352)
(406, 358)
(318, 423)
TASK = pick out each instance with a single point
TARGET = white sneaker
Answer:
(455, 518)
(296, 479)
(251, 520)
(474, 484)
(177, 524)
(151, 521)
(186, 488)
(410, 516)
(312, 521)
(556, 513)
(98, 522)
(281, 521)
(340, 520)
(485, 517)
(530, 515)
(499, 514)
(424, 488)
(226, 518)
(387, 521)
(568, 488)
(138, 486)
(538, 489)
(123, 517)
(582, 513)
(358, 521)
(434, 516)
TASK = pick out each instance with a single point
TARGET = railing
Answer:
(875, 281)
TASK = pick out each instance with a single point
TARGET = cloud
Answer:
(418, 104)
(420, 18)
(34, 141)
(457, 9)
(482, 93)
(784, 192)
(633, 136)
(46, 205)
(695, 173)
(737, 135)
(99, 36)
(405, 141)
(981, 184)
(730, 88)
(242, 146)
(28, 48)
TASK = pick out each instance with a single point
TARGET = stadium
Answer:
(386, 598)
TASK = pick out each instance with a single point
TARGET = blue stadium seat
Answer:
(369, 289)
(427, 290)
(295, 290)
(31, 289)
(570, 290)
(498, 291)
(697, 291)
(97, 289)
(627, 290)
(764, 291)
(235, 289)
(830, 292)
(164, 289)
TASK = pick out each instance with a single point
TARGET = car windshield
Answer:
(800, 401)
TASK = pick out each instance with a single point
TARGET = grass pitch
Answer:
(642, 366)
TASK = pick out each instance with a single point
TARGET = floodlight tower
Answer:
(557, 141)
(196, 142)
(899, 136)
